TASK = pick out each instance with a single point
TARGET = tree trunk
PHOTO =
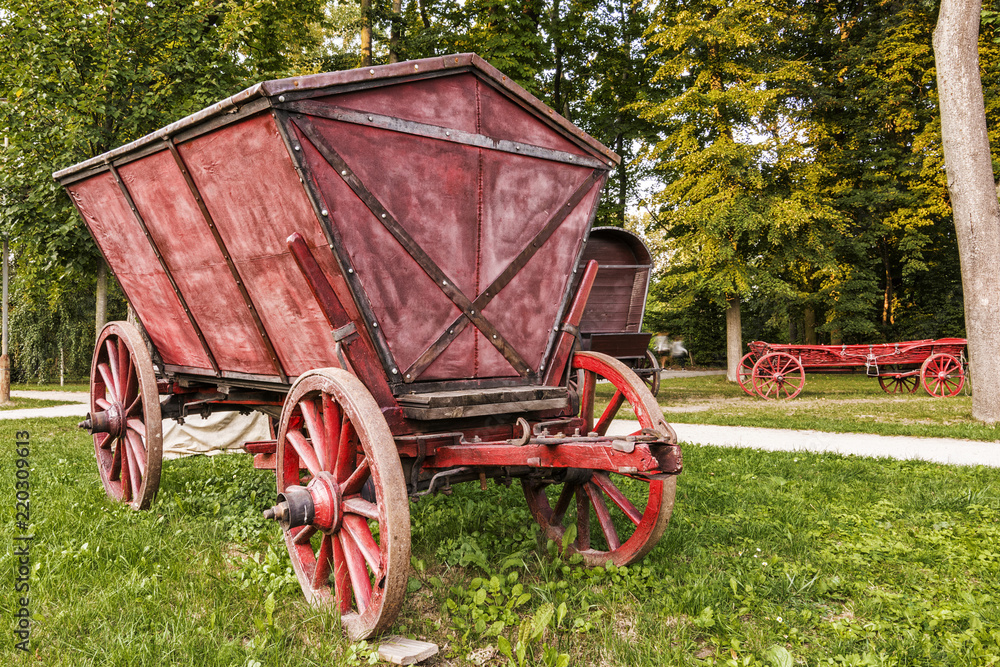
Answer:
(394, 34)
(809, 325)
(973, 195)
(101, 304)
(4, 358)
(734, 338)
(366, 33)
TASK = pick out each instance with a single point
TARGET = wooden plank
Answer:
(402, 651)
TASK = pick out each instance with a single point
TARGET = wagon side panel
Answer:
(122, 241)
(426, 186)
(196, 262)
(254, 195)
(432, 202)
(523, 194)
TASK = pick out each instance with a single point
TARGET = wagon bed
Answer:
(387, 262)
(778, 371)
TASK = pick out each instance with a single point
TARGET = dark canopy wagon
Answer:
(385, 261)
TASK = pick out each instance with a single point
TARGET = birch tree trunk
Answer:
(734, 339)
(973, 193)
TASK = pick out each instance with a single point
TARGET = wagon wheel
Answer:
(778, 375)
(124, 416)
(942, 375)
(630, 513)
(744, 373)
(648, 368)
(350, 552)
(897, 382)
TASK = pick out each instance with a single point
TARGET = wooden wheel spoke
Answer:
(587, 386)
(304, 450)
(112, 348)
(347, 451)
(136, 452)
(115, 471)
(137, 426)
(610, 412)
(332, 419)
(317, 434)
(303, 534)
(361, 507)
(131, 458)
(109, 383)
(103, 403)
(105, 440)
(125, 473)
(341, 578)
(603, 481)
(361, 534)
(582, 519)
(133, 407)
(324, 563)
(603, 515)
(357, 571)
(353, 484)
(565, 498)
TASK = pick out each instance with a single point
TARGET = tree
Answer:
(81, 77)
(973, 193)
(735, 206)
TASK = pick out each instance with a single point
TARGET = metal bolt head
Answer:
(395, 371)
(298, 148)
(369, 117)
(372, 72)
(325, 212)
(350, 270)
(281, 98)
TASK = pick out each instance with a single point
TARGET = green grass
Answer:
(25, 403)
(836, 403)
(75, 386)
(770, 559)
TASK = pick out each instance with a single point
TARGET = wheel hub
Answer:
(320, 504)
(110, 421)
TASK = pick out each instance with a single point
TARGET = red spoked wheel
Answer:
(942, 375)
(352, 551)
(617, 518)
(648, 368)
(744, 373)
(897, 382)
(124, 416)
(778, 375)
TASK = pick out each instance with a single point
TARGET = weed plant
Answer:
(771, 559)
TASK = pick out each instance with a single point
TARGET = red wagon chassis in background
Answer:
(386, 262)
(778, 371)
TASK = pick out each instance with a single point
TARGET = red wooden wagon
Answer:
(778, 371)
(383, 261)
(612, 320)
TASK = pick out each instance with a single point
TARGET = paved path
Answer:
(79, 407)
(939, 450)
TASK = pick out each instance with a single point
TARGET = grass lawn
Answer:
(25, 403)
(770, 559)
(837, 403)
(75, 386)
